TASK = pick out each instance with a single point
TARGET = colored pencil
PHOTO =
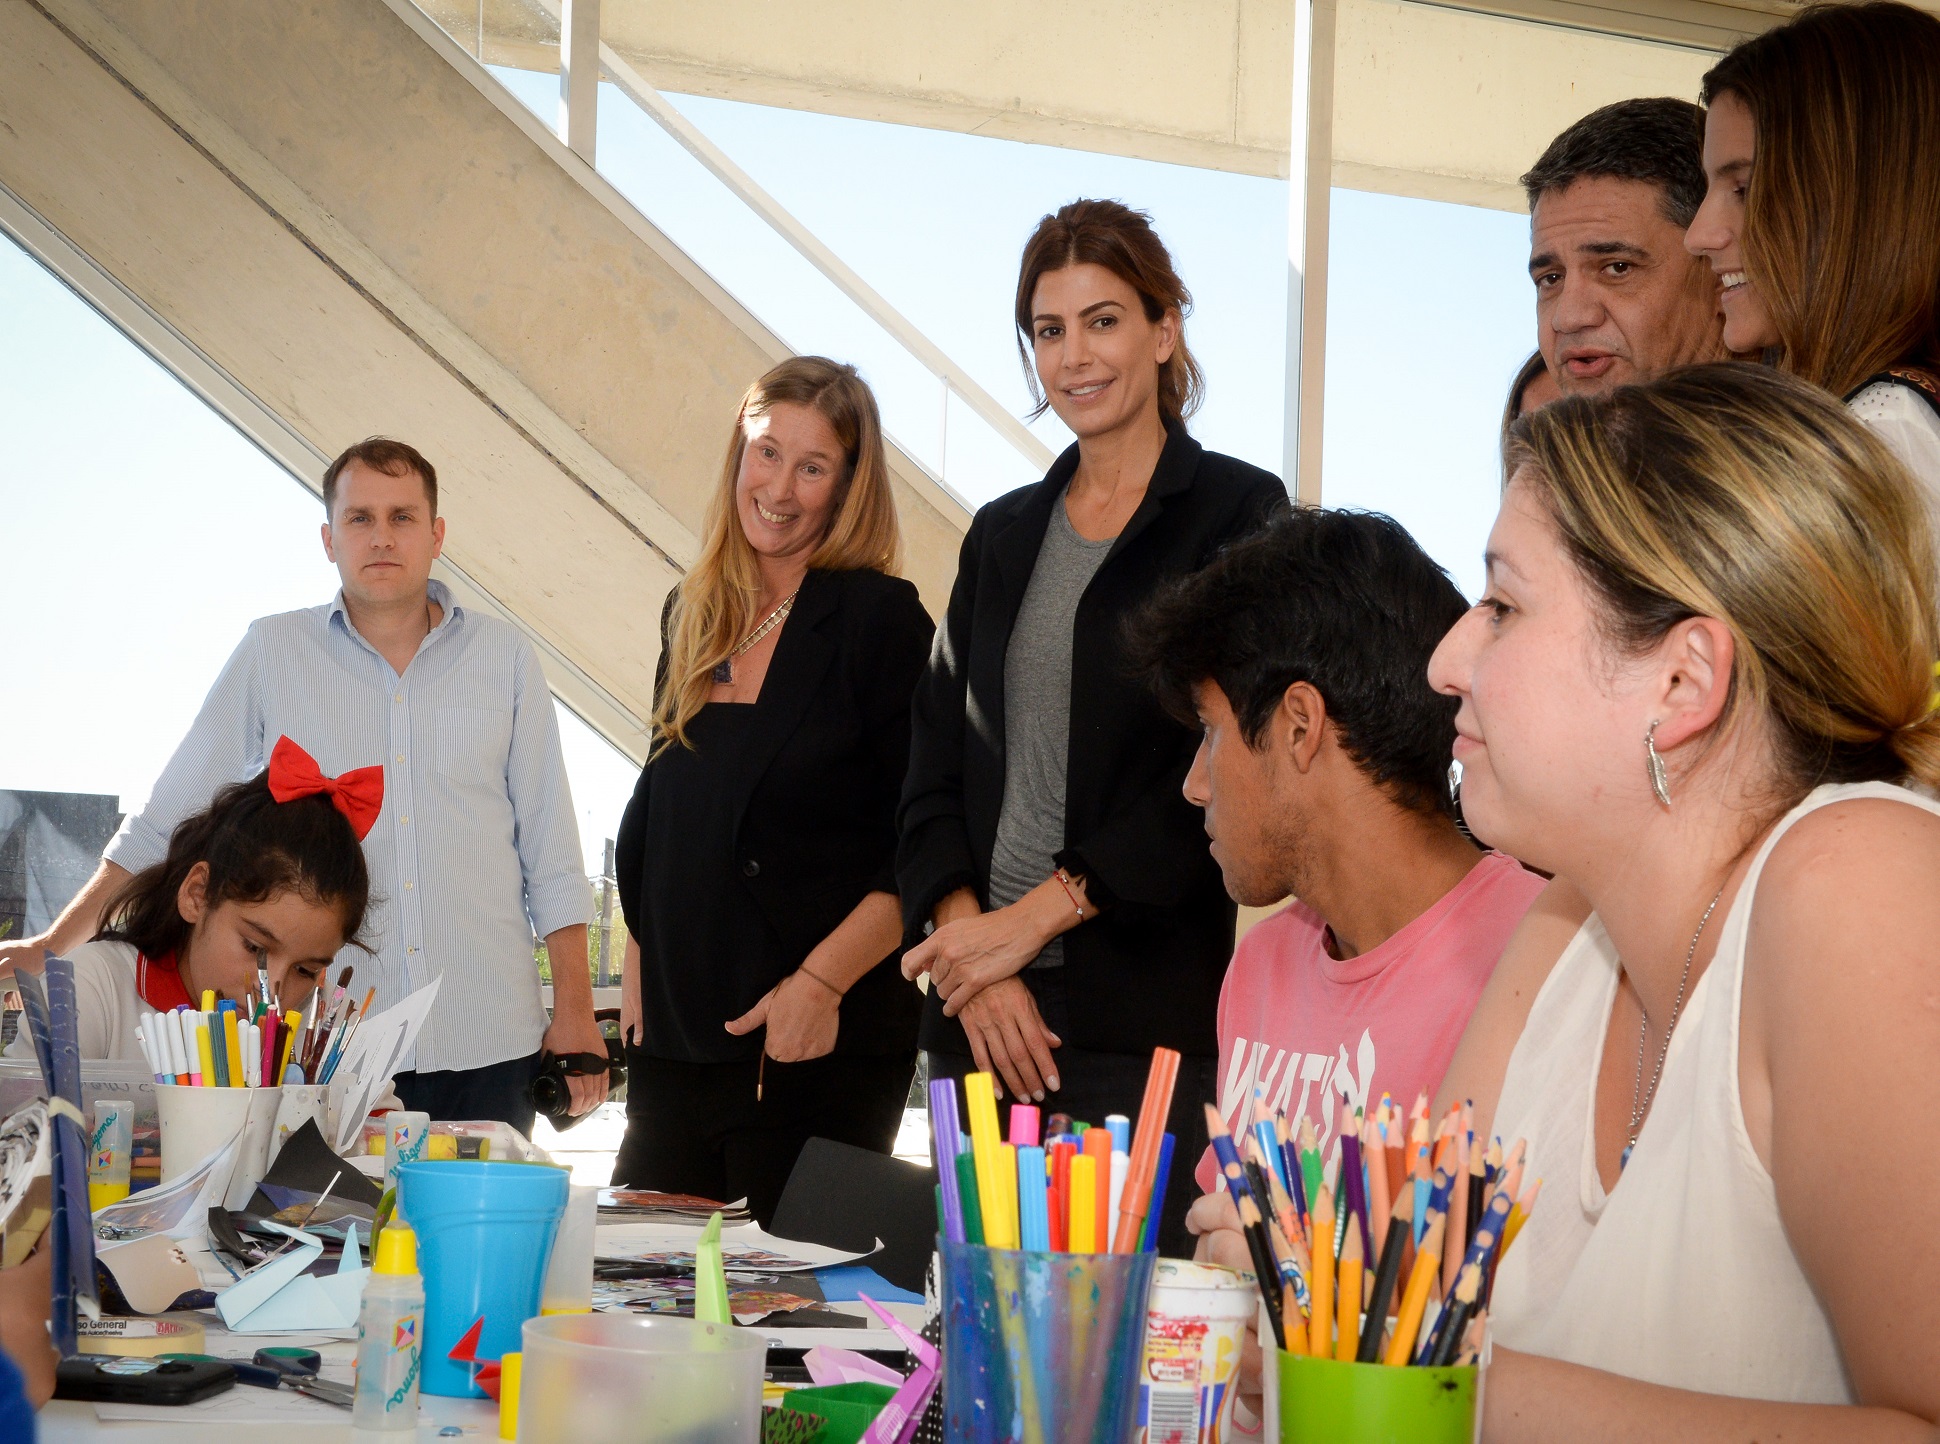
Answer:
(1320, 1322)
(1347, 1289)
(1266, 1270)
(1415, 1301)
(1400, 1234)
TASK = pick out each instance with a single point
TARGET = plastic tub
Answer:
(484, 1233)
(625, 1379)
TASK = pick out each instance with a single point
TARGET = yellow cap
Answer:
(397, 1251)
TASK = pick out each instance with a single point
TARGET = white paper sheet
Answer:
(375, 1052)
(179, 1209)
(744, 1247)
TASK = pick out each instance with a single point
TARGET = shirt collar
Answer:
(449, 610)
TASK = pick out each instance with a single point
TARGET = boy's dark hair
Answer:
(256, 847)
(380, 453)
(1659, 139)
(1343, 600)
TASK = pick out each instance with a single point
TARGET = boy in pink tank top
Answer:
(1303, 653)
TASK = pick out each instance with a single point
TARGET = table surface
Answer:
(70, 1422)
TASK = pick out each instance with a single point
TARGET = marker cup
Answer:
(593, 1377)
(1323, 1401)
(484, 1233)
(301, 1103)
(1042, 1345)
(198, 1122)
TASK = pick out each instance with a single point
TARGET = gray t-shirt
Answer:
(1037, 717)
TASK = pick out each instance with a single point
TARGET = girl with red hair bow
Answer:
(271, 872)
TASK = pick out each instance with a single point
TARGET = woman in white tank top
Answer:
(1702, 671)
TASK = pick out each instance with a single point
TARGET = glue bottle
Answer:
(390, 1336)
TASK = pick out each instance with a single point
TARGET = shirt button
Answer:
(398, 698)
(400, 757)
(404, 822)
(408, 886)
(410, 950)
(751, 868)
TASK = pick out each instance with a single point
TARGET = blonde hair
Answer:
(1736, 492)
(713, 608)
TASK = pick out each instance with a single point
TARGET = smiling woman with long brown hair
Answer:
(755, 861)
(1079, 919)
(1822, 215)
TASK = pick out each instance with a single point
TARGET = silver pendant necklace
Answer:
(724, 669)
(1640, 1097)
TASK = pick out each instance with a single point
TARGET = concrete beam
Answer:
(358, 237)
(1449, 102)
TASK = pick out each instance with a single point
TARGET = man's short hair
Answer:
(1343, 600)
(1659, 140)
(380, 453)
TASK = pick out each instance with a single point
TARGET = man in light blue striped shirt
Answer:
(476, 851)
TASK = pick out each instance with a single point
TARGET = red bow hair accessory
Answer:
(357, 794)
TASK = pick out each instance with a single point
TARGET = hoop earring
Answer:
(1660, 782)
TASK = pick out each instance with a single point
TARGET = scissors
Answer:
(271, 1368)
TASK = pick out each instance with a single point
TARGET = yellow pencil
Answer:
(1320, 1323)
(1348, 1290)
(1518, 1216)
(1414, 1303)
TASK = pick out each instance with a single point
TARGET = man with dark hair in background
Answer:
(476, 849)
(1618, 298)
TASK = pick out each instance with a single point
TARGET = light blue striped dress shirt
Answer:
(477, 848)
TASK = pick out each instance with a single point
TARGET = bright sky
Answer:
(143, 534)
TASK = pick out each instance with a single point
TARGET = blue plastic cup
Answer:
(1042, 1345)
(484, 1233)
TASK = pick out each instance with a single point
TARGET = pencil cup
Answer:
(199, 1122)
(301, 1103)
(1042, 1345)
(586, 1378)
(484, 1233)
(1323, 1401)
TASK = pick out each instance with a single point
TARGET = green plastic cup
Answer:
(1323, 1401)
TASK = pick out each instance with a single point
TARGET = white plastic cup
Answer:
(647, 1380)
(1195, 1326)
(259, 1128)
(568, 1287)
(301, 1103)
(196, 1123)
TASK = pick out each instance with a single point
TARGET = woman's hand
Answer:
(1008, 1038)
(801, 1015)
(967, 955)
(630, 1012)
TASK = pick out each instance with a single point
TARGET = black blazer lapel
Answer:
(802, 656)
(1178, 465)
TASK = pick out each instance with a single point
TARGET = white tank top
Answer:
(1682, 1275)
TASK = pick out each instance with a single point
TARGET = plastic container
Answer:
(110, 1150)
(1042, 1345)
(1323, 1401)
(404, 1135)
(484, 1232)
(1195, 1326)
(645, 1380)
(390, 1338)
(569, 1272)
(849, 1409)
(197, 1122)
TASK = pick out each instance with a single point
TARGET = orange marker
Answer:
(1098, 1146)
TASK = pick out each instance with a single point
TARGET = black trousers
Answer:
(498, 1090)
(696, 1128)
(1092, 1084)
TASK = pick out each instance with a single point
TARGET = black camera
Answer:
(552, 1095)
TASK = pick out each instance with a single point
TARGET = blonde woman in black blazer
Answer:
(763, 1005)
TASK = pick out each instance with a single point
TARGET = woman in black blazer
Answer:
(756, 859)
(1079, 919)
